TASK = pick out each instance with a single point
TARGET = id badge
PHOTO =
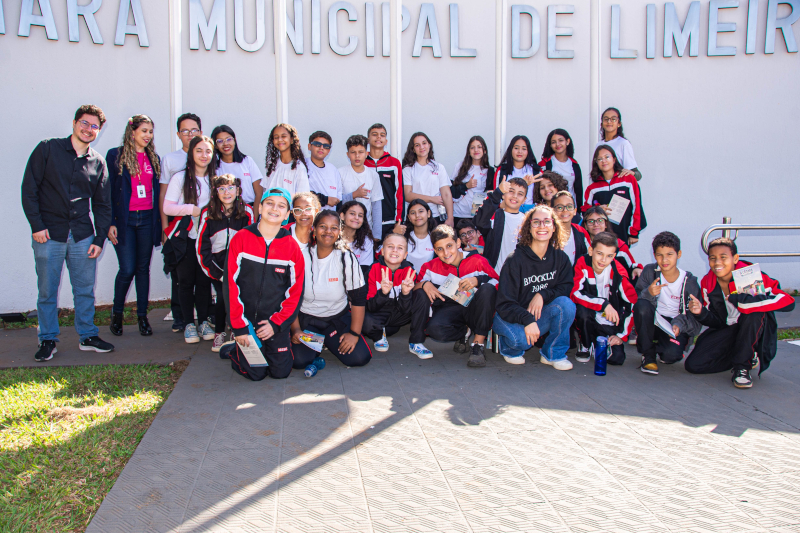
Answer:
(141, 192)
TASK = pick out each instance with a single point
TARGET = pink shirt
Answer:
(144, 178)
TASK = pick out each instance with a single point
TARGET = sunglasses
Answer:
(321, 145)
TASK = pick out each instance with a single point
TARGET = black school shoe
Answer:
(96, 344)
(116, 324)
(46, 351)
(741, 379)
(477, 359)
(144, 327)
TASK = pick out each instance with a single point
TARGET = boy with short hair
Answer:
(362, 182)
(499, 218)
(470, 238)
(390, 172)
(604, 296)
(664, 289)
(442, 318)
(323, 179)
(742, 330)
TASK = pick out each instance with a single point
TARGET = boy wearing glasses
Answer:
(499, 218)
(323, 179)
(595, 221)
(362, 182)
(390, 172)
(64, 187)
(471, 240)
(578, 241)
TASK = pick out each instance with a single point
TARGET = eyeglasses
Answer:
(229, 188)
(321, 145)
(604, 158)
(561, 208)
(304, 211)
(189, 132)
(222, 141)
(469, 233)
(596, 222)
(84, 124)
(610, 120)
(547, 223)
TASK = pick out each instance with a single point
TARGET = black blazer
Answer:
(120, 185)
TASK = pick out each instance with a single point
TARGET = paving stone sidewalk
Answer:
(408, 445)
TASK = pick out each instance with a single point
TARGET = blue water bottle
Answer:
(600, 356)
(319, 362)
(310, 371)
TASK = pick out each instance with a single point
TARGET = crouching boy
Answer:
(442, 318)
(605, 297)
(664, 292)
(742, 331)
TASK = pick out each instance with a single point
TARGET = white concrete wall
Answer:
(714, 136)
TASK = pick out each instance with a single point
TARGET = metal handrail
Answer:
(726, 227)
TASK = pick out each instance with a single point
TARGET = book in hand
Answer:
(748, 280)
(477, 202)
(665, 325)
(450, 289)
(618, 206)
(252, 352)
(312, 340)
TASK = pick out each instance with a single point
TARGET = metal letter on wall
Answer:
(238, 26)
(784, 24)
(516, 14)
(715, 27)
(208, 28)
(123, 28)
(2, 20)
(689, 33)
(554, 31)
(333, 29)
(28, 19)
(616, 52)
(427, 18)
(651, 31)
(294, 30)
(387, 25)
(752, 24)
(316, 30)
(455, 49)
(370, 20)
(87, 12)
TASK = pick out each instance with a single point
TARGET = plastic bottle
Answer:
(600, 356)
(310, 371)
(319, 362)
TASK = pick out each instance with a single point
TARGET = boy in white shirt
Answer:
(362, 182)
(324, 179)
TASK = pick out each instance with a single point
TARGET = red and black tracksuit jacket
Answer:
(178, 243)
(600, 192)
(547, 164)
(624, 254)
(213, 239)
(715, 315)
(376, 300)
(264, 282)
(390, 172)
(491, 221)
(621, 294)
(472, 265)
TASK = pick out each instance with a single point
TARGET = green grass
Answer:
(788, 334)
(66, 434)
(102, 316)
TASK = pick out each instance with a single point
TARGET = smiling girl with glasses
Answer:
(611, 134)
(231, 160)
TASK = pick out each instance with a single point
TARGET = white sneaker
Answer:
(518, 360)
(383, 344)
(420, 351)
(561, 364)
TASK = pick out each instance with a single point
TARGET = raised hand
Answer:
(655, 288)
(386, 281)
(695, 307)
(399, 228)
(360, 192)
(408, 283)
(471, 184)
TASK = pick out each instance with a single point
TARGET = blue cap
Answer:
(277, 191)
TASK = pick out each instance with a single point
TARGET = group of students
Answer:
(358, 252)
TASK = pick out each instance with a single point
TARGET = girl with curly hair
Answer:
(286, 164)
(548, 185)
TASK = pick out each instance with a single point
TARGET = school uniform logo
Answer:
(332, 333)
(280, 270)
(282, 349)
(332, 280)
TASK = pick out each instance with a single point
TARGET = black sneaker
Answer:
(461, 345)
(46, 351)
(178, 327)
(477, 359)
(96, 344)
(754, 362)
(583, 355)
(741, 379)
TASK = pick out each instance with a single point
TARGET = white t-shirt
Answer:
(669, 301)
(352, 180)
(526, 170)
(303, 245)
(175, 194)
(171, 164)
(427, 180)
(420, 252)
(365, 254)
(569, 247)
(566, 171)
(293, 180)
(510, 237)
(603, 284)
(324, 285)
(733, 313)
(622, 147)
(248, 173)
(462, 207)
(325, 180)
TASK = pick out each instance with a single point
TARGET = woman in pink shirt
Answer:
(133, 171)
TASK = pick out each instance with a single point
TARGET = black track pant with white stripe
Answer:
(450, 319)
(332, 328)
(718, 350)
(276, 350)
(392, 319)
(589, 329)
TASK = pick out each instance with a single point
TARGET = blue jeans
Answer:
(557, 317)
(49, 258)
(134, 261)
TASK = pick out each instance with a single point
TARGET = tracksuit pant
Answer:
(729, 347)
(220, 309)
(332, 328)
(589, 329)
(277, 350)
(194, 286)
(447, 321)
(389, 318)
(671, 350)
